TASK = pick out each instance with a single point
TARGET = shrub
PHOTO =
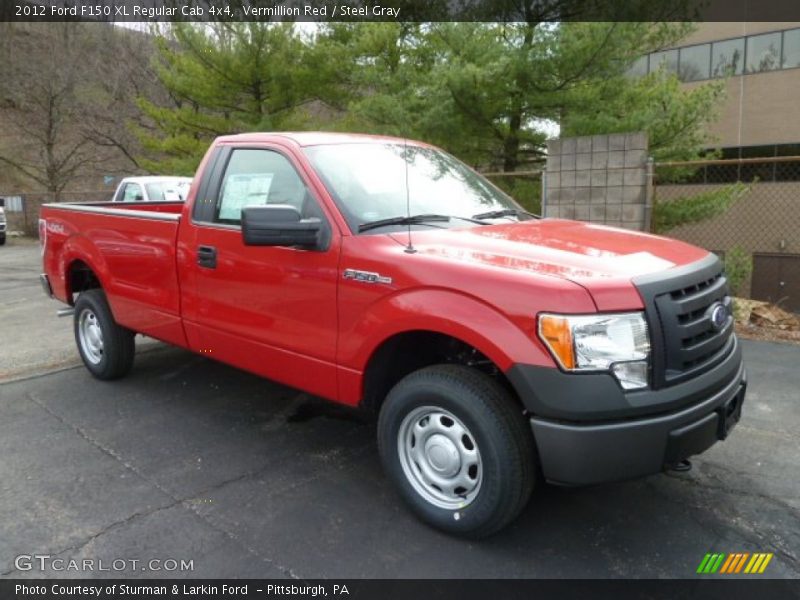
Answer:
(691, 209)
(738, 267)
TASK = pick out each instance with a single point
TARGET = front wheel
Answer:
(106, 348)
(458, 448)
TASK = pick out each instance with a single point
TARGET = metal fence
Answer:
(758, 235)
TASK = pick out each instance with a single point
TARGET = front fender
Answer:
(448, 312)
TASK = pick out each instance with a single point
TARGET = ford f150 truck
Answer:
(497, 349)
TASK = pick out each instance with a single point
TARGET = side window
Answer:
(727, 57)
(133, 193)
(763, 52)
(256, 177)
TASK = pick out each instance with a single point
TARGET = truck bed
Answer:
(132, 250)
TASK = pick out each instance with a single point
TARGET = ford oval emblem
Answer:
(718, 315)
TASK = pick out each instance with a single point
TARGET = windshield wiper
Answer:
(469, 220)
(505, 212)
(411, 220)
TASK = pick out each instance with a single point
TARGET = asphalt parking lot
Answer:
(187, 459)
(32, 338)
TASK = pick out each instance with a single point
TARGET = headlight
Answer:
(617, 343)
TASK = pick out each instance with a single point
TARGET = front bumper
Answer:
(578, 449)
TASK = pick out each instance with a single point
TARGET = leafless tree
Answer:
(69, 94)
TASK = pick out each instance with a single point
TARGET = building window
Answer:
(761, 171)
(787, 171)
(695, 62)
(763, 52)
(791, 49)
(727, 58)
(725, 173)
(667, 58)
(747, 172)
(751, 54)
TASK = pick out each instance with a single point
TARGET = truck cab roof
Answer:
(314, 138)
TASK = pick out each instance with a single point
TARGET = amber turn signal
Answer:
(556, 332)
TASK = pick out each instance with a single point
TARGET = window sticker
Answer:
(242, 190)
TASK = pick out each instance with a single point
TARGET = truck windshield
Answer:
(369, 183)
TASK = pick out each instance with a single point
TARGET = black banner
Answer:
(436, 589)
(398, 10)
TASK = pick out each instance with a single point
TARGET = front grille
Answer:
(679, 309)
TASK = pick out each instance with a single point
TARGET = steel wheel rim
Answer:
(90, 335)
(440, 457)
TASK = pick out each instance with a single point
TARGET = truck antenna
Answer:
(409, 247)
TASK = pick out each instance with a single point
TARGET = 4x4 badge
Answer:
(365, 276)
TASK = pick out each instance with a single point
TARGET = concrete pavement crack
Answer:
(175, 499)
(779, 549)
(251, 474)
(721, 487)
(97, 444)
(756, 536)
(108, 528)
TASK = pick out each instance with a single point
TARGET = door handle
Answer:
(207, 257)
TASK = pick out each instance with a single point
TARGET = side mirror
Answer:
(280, 225)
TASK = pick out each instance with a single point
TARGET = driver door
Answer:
(270, 310)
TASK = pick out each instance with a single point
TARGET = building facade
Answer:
(762, 60)
(758, 131)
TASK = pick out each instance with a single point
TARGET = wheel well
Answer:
(410, 351)
(80, 278)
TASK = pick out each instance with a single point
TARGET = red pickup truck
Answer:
(498, 349)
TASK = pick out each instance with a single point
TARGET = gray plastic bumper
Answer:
(577, 454)
(588, 430)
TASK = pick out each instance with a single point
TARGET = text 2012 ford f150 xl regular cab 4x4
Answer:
(497, 348)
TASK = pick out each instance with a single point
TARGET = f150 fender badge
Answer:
(365, 276)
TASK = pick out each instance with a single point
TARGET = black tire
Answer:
(115, 358)
(507, 455)
(2, 240)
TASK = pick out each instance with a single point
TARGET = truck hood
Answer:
(601, 259)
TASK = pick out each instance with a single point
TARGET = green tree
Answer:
(738, 268)
(376, 75)
(482, 90)
(223, 78)
(675, 117)
(699, 207)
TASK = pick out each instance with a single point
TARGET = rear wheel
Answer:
(458, 448)
(107, 349)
